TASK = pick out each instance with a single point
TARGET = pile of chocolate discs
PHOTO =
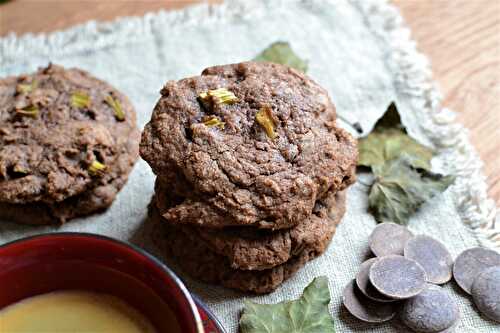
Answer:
(404, 277)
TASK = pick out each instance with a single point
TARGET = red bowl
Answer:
(59, 261)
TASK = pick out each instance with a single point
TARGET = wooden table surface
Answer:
(461, 38)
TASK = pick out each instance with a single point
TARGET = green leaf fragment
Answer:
(308, 314)
(20, 169)
(219, 96)
(80, 100)
(26, 88)
(213, 121)
(400, 189)
(96, 168)
(282, 53)
(117, 107)
(30, 111)
(265, 118)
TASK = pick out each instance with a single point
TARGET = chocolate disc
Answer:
(470, 263)
(433, 310)
(397, 277)
(486, 292)
(433, 256)
(364, 284)
(389, 238)
(364, 308)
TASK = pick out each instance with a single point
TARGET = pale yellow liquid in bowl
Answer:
(73, 312)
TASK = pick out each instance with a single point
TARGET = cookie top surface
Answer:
(277, 151)
(62, 133)
(253, 249)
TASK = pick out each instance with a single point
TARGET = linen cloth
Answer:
(359, 51)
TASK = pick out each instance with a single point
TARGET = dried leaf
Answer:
(390, 119)
(402, 169)
(308, 314)
(80, 100)
(400, 189)
(265, 118)
(282, 53)
(117, 107)
(389, 141)
(97, 168)
(212, 121)
(30, 111)
(382, 146)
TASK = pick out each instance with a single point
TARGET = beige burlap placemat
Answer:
(359, 50)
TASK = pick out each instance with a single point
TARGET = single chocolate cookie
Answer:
(198, 259)
(194, 209)
(67, 144)
(249, 248)
(257, 141)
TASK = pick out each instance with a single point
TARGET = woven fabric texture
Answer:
(360, 51)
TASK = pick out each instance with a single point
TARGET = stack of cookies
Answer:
(251, 171)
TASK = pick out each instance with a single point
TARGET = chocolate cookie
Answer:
(198, 259)
(67, 144)
(257, 141)
(249, 248)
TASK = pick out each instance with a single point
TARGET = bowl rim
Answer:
(209, 313)
(187, 295)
